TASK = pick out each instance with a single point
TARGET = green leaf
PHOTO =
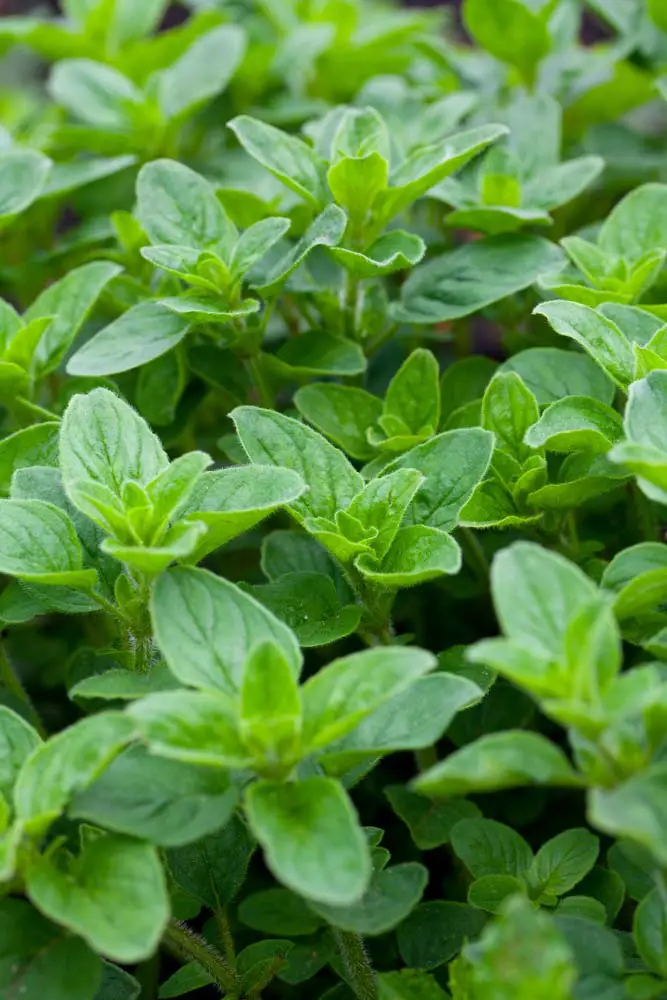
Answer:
(176, 205)
(342, 413)
(393, 251)
(428, 165)
(576, 423)
(356, 181)
(465, 280)
(563, 861)
(413, 395)
(143, 333)
(430, 823)
(382, 504)
(113, 895)
(454, 463)
(317, 353)
(163, 801)
(97, 95)
(635, 225)
(203, 311)
(278, 911)
(645, 421)
(288, 158)
(650, 931)
(490, 891)
(206, 627)
(510, 31)
(508, 410)
(231, 501)
(300, 823)
(536, 593)
(23, 174)
(255, 242)
(66, 764)
(32, 446)
(201, 73)
(417, 554)
(409, 984)
(69, 303)
(413, 719)
(489, 848)
(123, 685)
(635, 809)
(103, 440)
(188, 978)
(17, 741)
(270, 716)
(39, 544)
(270, 438)
(309, 604)
(638, 577)
(599, 337)
(390, 897)
(509, 759)
(214, 868)
(343, 693)
(436, 931)
(325, 231)
(117, 984)
(552, 374)
(38, 959)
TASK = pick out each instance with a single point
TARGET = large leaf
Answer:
(39, 543)
(599, 336)
(311, 838)
(465, 280)
(202, 72)
(288, 158)
(206, 627)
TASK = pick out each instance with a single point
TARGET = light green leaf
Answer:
(577, 423)
(551, 374)
(39, 544)
(393, 251)
(638, 577)
(413, 395)
(465, 280)
(98, 95)
(204, 311)
(104, 441)
(316, 353)
(599, 337)
(288, 158)
(270, 711)
(193, 727)
(409, 984)
(454, 463)
(69, 301)
(342, 413)
(343, 693)
(325, 231)
(508, 409)
(650, 931)
(231, 501)
(37, 959)
(17, 741)
(178, 544)
(510, 31)
(428, 165)
(143, 333)
(391, 895)
(563, 861)
(381, 506)
(113, 895)
(206, 627)
(418, 554)
(66, 764)
(201, 73)
(176, 205)
(27, 448)
(636, 224)
(309, 604)
(271, 438)
(487, 847)
(23, 174)
(509, 759)
(188, 978)
(255, 242)
(356, 181)
(311, 837)
(490, 891)
(636, 809)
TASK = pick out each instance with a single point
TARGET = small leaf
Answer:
(288, 158)
(634, 226)
(552, 374)
(508, 410)
(601, 338)
(29, 447)
(270, 712)
(201, 73)
(342, 413)
(391, 895)
(325, 231)
(635, 809)
(490, 848)
(255, 242)
(576, 423)
(650, 931)
(23, 174)
(393, 251)
(509, 759)
(309, 604)
(214, 868)
(563, 861)
(140, 335)
(114, 896)
(418, 554)
(430, 823)
(17, 741)
(301, 824)
(39, 544)
(490, 891)
(317, 353)
(436, 931)
(97, 95)
(510, 31)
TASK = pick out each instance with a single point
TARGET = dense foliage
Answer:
(333, 461)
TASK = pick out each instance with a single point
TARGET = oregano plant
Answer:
(333, 492)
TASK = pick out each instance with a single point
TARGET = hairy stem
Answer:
(361, 974)
(189, 947)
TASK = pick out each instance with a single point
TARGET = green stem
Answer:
(35, 410)
(349, 301)
(148, 976)
(10, 681)
(361, 974)
(475, 554)
(222, 920)
(189, 947)
(647, 515)
(260, 381)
